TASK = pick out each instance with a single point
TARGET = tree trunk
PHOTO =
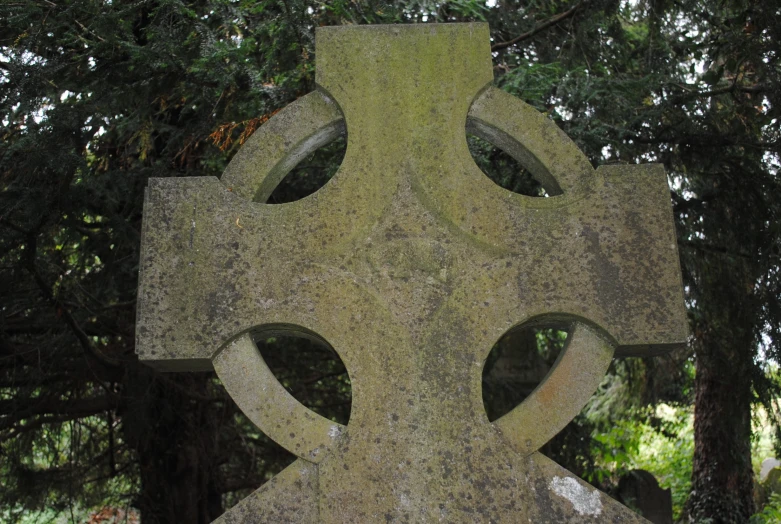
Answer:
(174, 437)
(722, 476)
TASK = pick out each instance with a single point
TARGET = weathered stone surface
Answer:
(411, 264)
(291, 496)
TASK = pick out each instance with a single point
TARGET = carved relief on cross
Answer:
(411, 264)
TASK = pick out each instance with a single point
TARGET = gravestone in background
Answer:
(411, 264)
(640, 490)
(768, 465)
(769, 481)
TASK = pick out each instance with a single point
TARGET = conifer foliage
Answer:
(97, 96)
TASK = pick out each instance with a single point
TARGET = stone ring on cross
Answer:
(410, 263)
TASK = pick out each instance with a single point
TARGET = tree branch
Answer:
(714, 141)
(731, 89)
(15, 410)
(540, 27)
(7, 223)
(65, 313)
(715, 250)
(34, 426)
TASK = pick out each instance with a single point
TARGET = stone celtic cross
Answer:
(411, 264)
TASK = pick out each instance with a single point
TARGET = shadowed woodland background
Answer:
(98, 96)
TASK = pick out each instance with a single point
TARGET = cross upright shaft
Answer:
(411, 264)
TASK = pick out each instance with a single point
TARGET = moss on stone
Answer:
(411, 263)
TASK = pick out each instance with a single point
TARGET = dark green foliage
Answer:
(770, 513)
(311, 174)
(503, 169)
(312, 372)
(96, 97)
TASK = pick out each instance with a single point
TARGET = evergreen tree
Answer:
(96, 97)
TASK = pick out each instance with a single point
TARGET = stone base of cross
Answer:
(411, 264)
